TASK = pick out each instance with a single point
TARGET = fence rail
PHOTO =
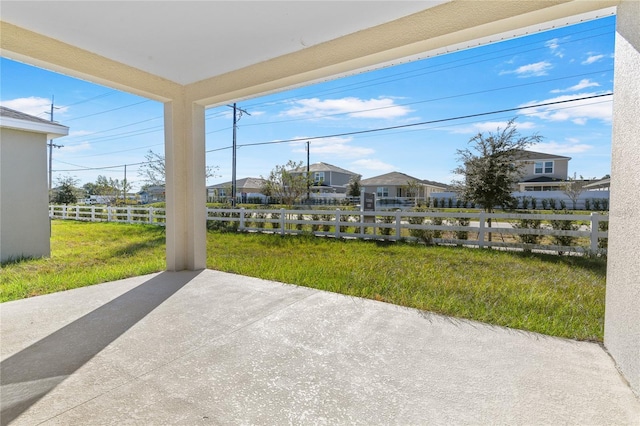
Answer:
(561, 233)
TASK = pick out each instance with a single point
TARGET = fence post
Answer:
(241, 218)
(398, 219)
(481, 218)
(282, 222)
(108, 213)
(150, 213)
(129, 214)
(595, 228)
(337, 230)
(77, 212)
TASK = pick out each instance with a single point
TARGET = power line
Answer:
(359, 132)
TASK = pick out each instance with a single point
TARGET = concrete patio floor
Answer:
(214, 348)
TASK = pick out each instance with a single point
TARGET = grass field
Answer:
(555, 295)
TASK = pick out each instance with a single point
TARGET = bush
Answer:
(260, 215)
(276, 220)
(587, 204)
(534, 203)
(462, 221)
(603, 226)
(532, 224)
(326, 218)
(552, 203)
(299, 217)
(563, 225)
(545, 204)
(387, 220)
(525, 203)
(315, 227)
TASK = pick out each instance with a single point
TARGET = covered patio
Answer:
(215, 348)
(236, 350)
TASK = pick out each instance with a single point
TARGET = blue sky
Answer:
(110, 128)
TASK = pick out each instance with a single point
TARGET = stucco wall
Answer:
(560, 169)
(24, 217)
(622, 315)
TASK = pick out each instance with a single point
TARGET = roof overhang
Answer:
(214, 52)
(52, 130)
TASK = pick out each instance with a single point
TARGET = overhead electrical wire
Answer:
(378, 129)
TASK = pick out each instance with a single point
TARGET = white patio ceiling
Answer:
(223, 50)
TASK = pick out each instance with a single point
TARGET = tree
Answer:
(573, 188)
(153, 170)
(285, 184)
(492, 171)
(413, 190)
(353, 188)
(66, 193)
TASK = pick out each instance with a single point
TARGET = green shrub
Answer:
(563, 225)
(326, 218)
(462, 221)
(276, 220)
(527, 223)
(315, 227)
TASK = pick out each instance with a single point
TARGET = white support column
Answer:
(622, 313)
(185, 185)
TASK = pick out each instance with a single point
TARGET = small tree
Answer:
(353, 188)
(153, 170)
(573, 188)
(492, 171)
(413, 190)
(66, 193)
(284, 184)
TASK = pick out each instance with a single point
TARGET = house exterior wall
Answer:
(560, 169)
(622, 311)
(24, 220)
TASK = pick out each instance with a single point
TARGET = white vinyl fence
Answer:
(561, 233)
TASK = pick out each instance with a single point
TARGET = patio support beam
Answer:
(185, 185)
(622, 313)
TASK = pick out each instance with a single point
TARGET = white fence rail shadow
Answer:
(573, 233)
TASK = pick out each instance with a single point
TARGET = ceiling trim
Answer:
(416, 36)
(27, 46)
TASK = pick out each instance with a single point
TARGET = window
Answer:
(382, 191)
(543, 167)
(318, 177)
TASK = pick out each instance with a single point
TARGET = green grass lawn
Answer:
(555, 295)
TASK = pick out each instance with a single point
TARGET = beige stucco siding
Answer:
(560, 169)
(24, 217)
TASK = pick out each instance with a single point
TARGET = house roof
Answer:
(324, 167)
(601, 183)
(12, 119)
(397, 179)
(542, 179)
(533, 155)
(248, 183)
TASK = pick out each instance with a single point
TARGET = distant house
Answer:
(152, 194)
(327, 178)
(246, 188)
(24, 196)
(543, 172)
(399, 185)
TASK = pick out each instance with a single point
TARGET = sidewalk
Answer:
(214, 348)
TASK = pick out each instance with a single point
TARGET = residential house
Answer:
(543, 172)
(327, 178)
(246, 188)
(400, 185)
(152, 194)
(24, 198)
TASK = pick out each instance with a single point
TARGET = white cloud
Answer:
(491, 126)
(372, 164)
(571, 147)
(337, 147)
(530, 70)
(583, 84)
(350, 106)
(72, 149)
(39, 107)
(591, 59)
(554, 46)
(579, 111)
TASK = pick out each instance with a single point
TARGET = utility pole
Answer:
(124, 186)
(51, 145)
(308, 177)
(236, 118)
